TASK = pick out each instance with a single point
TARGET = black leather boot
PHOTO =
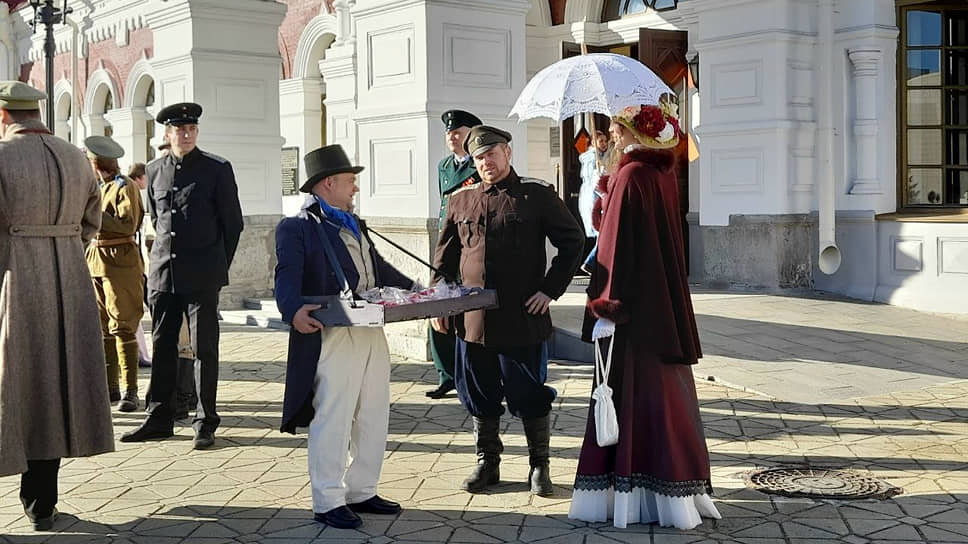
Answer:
(538, 432)
(186, 399)
(489, 449)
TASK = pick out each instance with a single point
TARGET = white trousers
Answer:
(348, 433)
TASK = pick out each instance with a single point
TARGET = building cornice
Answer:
(503, 7)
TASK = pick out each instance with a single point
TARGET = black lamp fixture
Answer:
(662, 5)
(46, 14)
(693, 64)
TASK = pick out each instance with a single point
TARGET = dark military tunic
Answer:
(451, 176)
(197, 218)
(494, 236)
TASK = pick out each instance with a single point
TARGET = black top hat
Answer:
(183, 113)
(459, 118)
(326, 161)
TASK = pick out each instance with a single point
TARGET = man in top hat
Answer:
(494, 237)
(337, 378)
(55, 396)
(195, 212)
(454, 171)
(114, 259)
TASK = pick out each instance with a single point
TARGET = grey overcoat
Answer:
(53, 387)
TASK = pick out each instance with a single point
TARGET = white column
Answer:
(94, 123)
(415, 61)
(131, 131)
(866, 125)
(223, 54)
(301, 124)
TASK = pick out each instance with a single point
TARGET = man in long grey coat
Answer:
(53, 387)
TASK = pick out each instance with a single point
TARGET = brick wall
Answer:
(117, 61)
(297, 17)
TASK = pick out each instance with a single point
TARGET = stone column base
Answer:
(760, 251)
(419, 236)
(252, 272)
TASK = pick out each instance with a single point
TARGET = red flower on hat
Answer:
(650, 121)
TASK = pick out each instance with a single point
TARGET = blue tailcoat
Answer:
(304, 271)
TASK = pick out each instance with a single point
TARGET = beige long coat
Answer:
(53, 387)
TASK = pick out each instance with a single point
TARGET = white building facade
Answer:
(834, 127)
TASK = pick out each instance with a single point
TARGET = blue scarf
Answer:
(344, 218)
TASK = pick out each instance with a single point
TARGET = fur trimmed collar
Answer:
(660, 159)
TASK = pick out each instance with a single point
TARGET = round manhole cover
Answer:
(820, 483)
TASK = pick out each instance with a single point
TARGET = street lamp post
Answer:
(46, 14)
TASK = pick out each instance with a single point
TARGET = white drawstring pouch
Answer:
(606, 420)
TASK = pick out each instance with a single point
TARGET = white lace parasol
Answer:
(599, 82)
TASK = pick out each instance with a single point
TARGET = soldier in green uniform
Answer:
(114, 260)
(453, 172)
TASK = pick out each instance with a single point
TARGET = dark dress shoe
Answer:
(340, 517)
(147, 432)
(441, 390)
(204, 440)
(43, 524)
(376, 505)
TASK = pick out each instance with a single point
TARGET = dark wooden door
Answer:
(570, 167)
(664, 52)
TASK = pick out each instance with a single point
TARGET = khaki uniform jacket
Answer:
(122, 213)
(494, 237)
(53, 390)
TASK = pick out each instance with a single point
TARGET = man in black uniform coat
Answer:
(194, 205)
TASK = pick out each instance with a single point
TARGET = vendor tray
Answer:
(339, 312)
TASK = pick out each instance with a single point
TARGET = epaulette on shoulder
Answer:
(155, 162)
(537, 181)
(467, 188)
(215, 157)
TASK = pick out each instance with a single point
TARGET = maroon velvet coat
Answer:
(640, 274)
(639, 281)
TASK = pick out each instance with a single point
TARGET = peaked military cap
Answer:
(183, 113)
(482, 138)
(459, 118)
(104, 147)
(17, 95)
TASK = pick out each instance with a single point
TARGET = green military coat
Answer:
(452, 176)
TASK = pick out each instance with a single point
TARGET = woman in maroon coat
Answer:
(639, 298)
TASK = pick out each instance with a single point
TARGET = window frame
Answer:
(902, 8)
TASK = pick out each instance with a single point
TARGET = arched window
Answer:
(616, 9)
(108, 106)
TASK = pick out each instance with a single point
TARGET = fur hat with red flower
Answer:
(654, 126)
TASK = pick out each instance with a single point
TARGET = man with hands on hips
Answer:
(493, 237)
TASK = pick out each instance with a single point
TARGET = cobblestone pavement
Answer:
(253, 487)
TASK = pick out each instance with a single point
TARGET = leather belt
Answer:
(45, 231)
(108, 242)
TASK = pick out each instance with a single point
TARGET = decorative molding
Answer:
(738, 170)
(99, 78)
(736, 84)
(321, 27)
(866, 126)
(907, 254)
(952, 255)
(390, 56)
(477, 56)
(140, 70)
(393, 167)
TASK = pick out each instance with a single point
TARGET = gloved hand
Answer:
(603, 329)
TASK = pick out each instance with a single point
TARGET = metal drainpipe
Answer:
(829, 257)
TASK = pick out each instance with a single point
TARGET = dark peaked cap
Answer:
(482, 137)
(459, 118)
(183, 113)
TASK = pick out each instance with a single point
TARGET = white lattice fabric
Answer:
(599, 82)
